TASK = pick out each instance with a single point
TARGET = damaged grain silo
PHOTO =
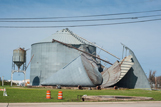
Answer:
(66, 59)
(51, 60)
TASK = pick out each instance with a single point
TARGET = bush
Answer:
(6, 83)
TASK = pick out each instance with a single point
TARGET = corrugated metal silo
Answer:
(50, 57)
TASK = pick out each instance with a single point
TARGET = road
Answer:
(86, 104)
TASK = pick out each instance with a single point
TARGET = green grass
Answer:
(16, 94)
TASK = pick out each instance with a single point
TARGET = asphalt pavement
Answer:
(86, 104)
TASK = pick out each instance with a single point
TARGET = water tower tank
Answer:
(19, 56)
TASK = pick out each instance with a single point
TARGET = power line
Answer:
(121, 4)
(89, 19)
(79, 16)
(79, 25)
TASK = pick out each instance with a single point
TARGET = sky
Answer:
(143, 38)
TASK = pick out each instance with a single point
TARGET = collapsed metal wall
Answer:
(116, 72)
(51, 57)
(81, 71)
(135, 77)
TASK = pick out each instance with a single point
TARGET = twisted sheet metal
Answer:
(81, 71)
(116, 72)
(91, 69)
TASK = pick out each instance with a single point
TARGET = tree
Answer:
(152, 77)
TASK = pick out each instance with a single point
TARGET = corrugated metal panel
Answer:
(49, 58)
(91, 69)
(81, 71)
(136, 77)
(126, 64)
(116, 72)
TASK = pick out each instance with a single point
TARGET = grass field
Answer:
(20, 94)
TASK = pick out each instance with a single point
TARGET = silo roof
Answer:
(65, 36)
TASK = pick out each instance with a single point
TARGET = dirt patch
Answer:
(114, 98)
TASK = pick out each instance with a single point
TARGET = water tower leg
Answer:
(11, 78)
(24, 78)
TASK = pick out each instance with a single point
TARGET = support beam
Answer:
(123, 53)
(24, 78)
(11, 77)
(81, 51)
(92, 43)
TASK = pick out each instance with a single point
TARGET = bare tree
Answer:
(152, 77)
